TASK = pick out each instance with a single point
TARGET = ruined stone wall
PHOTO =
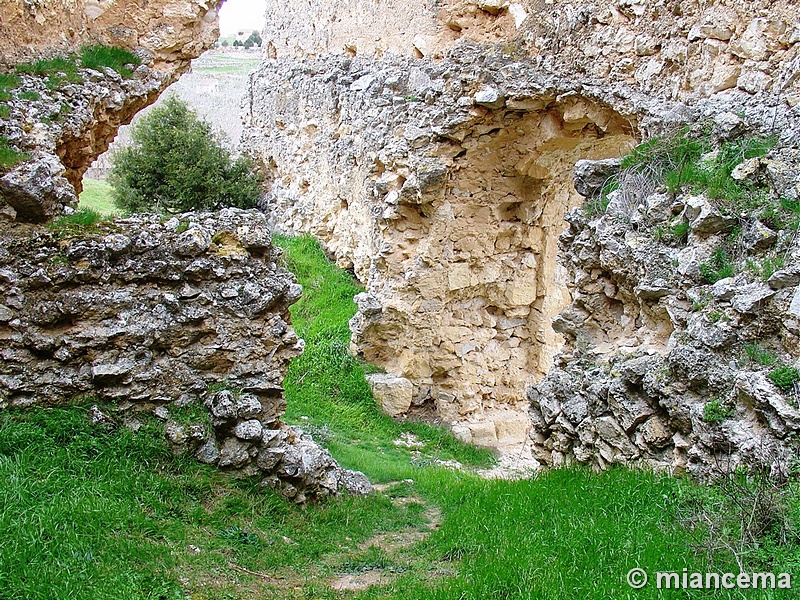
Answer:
(374, 27)
(172, 32)
(444, 191)
(148, 315)
(442, 182)
(674, 48)
(656, 368)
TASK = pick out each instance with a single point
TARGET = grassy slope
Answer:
(88, 513)
(96, 196)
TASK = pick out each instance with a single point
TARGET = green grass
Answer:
(326, 384)
(98, 57)
(9, 81)
(785, 377)
(57, 69)
(29, 96)
(82, 222)
(5, 111)
(8, 156)
(719, 266)
(715, 411)
(97, 195)
(760, 355)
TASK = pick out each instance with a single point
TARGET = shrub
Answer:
(716, 412)
(718, 266)
(176, 165)
(785, 377)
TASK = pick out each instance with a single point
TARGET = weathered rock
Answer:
(393, 394)
(752, 297)
(589, 176)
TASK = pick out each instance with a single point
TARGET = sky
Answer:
(236, 15)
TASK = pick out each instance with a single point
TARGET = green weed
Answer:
(718, 267)
(98, 57)
(9, 81)
(760, 355)
(8, 156)
(57, 69)
(81, 222)
(785, 377)
(715, 411)
(767, 265)
(29, 96)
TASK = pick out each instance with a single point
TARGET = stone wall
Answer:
(442, 185)
(655, 369)
(674, 48)
(164, 316)
(171, 32)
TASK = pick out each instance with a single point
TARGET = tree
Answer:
(175, 164)
(236, 43)
(224, 43)
(254, 40)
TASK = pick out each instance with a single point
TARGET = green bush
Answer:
(175, 165)
(718, 267)
(785, 377)
(716, 412)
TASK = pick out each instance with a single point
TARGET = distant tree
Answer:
(175, 164)
(236, 43)
(254, 39)
(248, 43)
(224, 43)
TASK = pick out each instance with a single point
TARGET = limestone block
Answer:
(393, 394)
(483, 433)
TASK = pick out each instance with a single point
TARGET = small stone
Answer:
(490, 97)
(590, 176)
(161, 412)
(192, 242)
(109, 372)
(208, 453)
(710, 220)
(751, 298)
(784, 278)
(234, 453)
(98, 417)
(248, 430)
(248, 406)
(223, 405)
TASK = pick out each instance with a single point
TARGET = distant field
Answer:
(96, 196)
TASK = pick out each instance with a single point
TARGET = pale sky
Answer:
(236, 15)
